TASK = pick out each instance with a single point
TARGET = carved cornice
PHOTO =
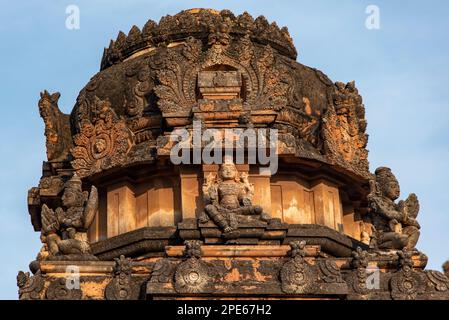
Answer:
(201, 24)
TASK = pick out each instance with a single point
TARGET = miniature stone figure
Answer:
(228, 198)
(64, 230)
(395, 223)
(446, 268)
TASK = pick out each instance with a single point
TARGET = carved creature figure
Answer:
(64, 230)
(395, 223)
(57, 127)
(228, 198)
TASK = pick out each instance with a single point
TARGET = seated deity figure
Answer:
(227, 197)
(64, 230)
(395, 224)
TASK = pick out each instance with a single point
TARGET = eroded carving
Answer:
(395, 223)
(30, 287)
(193, 275)
(64, 230)
(446, 268)
(406, 284)
(357, 279)
(330, 272)
(217, 26)
(59, 289)
(228, 196)
(437, 281)
(57, 127)
(102, 143)
(297, 275)
(344, 128)
(122, 285)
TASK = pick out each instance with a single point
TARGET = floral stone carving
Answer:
(297, 275)
(357, 279)
(102, 143)
(59, 290)
(193, 275)
(406, 284)
(344, 128)
(122, 286)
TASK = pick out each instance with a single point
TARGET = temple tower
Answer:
(115, 209)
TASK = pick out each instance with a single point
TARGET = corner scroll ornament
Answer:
(57, 127)
(228, 196)
(297, 275)
(122, 286)
(395, 224)
(58, 290)
(437, 281)
(103, 142)
(64, 230)
(330, 272)
(344, 127)
(30, 287)
(193, 275)
(406, 284)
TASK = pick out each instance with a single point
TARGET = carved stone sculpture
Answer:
(344, 128)
(228, 197)
(357, 279)
(193, 275)
(395, 223)
(406, 284)
(330, 272)
(57, 127)
(58, 290)
(64, 230)
(103, 141)
(122, 286)
(30, 288)
(297, 275)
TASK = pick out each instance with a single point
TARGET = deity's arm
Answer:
(49, 220)
(410, 207)
(243, 197)
(385, 209)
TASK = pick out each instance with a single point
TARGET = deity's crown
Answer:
(74, 182)
(384, 173)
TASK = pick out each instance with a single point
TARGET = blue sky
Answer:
(401, 70)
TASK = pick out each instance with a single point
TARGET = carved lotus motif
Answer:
(297, 276)
(406, 285)
(192, 276)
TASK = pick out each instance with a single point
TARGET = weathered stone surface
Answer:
(64, 230)
(322, 226)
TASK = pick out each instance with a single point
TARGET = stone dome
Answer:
(152, 80)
